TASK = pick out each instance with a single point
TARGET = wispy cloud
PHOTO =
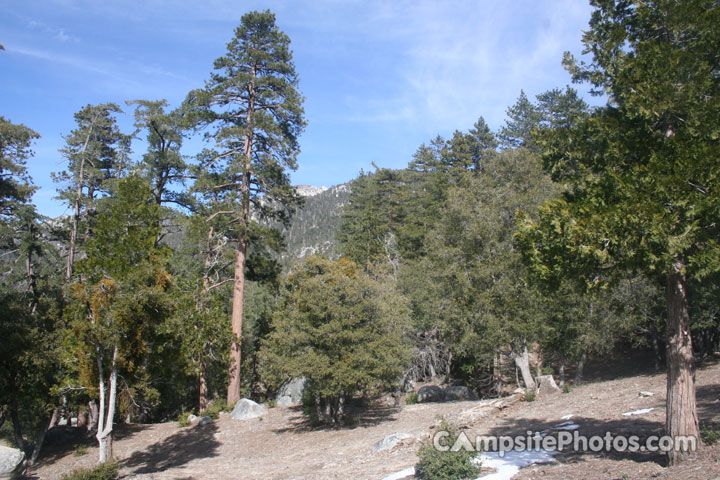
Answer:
(456, 64)
(62, 59)
(131, 74)
(57, 33)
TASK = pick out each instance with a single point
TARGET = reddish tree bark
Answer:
(681, 413)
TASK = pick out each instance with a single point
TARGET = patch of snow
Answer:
(567, 417)
(506, 466)
(511, 463)
(645, 394)
(638, 412)
(401, 474)
(309, 190)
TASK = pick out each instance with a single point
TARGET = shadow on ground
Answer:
(625, 427)
(188, 444)
(708, 403)
(356, 416)
(63, 440)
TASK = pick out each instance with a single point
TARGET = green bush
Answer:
(411, 398)
(214, 409)
(104, 471)
(183, 420)
(80, 450)
(449, 465)
(709, 434)
(529, 396)
(272, 403)
(567, 388)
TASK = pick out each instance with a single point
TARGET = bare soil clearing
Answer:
(281, 445)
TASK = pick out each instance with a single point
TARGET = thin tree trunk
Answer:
(497, 374)
(17, 428)
(523, 363)
(657, 356)
(681, 413)
(82, 419)
(76, 213)
(340, 410)
(580, 368)
(562, 374)
(328, 416)
(93, 416)
(55, 418)
(105, 425)
(39, 440)
(203, 396)
(318, 409)
(3, 415)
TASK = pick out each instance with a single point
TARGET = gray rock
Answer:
(458, 392)
(12, 463)
(204, 420)
(246, 408)
(547, 385)
(291, 393)
(430, 393)
(407, 385)
(646, 394)
(390, 441)
(192, 418)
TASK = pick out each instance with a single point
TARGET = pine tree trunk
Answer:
(233, 393)
(681, 413)
(580, 368)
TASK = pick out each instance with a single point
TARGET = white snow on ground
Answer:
(638, 412)
(567, 417)
(505, 467)
(401, 474)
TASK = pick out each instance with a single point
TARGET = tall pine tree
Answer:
(254, 110)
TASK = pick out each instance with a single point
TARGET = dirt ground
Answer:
(281, 445)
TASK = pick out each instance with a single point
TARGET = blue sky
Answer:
(379, 77)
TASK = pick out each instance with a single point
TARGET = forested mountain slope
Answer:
(313, 227)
